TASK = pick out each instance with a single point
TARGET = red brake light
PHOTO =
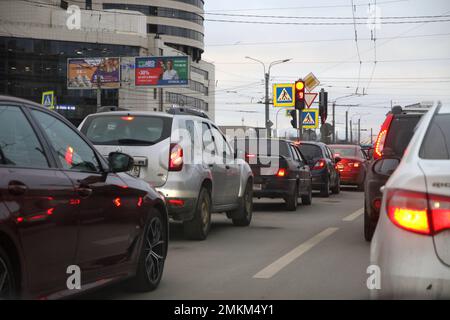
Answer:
(379, 143)
(69, 155)
(281, 172)
(176, 202)
(250, 155)
(409, 211)
(319, 164)
(117, 202)
(175, 157)
(128, 118)
(440, 212)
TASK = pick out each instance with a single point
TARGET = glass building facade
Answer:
(29, 67)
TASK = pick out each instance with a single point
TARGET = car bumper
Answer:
(273, 187)
(319, 178)
(409, 266)
(180, 190)
(351, 177)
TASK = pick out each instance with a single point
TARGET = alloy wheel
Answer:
(154, 250)
(5, 281)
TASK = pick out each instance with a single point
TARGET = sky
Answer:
(413, 60)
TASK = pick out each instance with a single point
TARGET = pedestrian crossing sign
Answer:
(283, 95)
(310, 119)
(48, 99)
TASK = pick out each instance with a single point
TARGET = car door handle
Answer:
(227, 167)
(84, 192)
(17, 188)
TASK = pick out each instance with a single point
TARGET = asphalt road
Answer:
(317, 252)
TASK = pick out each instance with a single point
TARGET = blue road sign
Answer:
(310, 119)
(284, 95)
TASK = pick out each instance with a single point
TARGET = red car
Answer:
(352, 167)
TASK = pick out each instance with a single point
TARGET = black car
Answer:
(395, 135)
(325, 176)
(63, 207)
(279, 170)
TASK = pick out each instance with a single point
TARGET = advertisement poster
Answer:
(86, 73)
(162, 71)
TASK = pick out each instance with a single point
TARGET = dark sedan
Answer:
(320, 159)
(66, 212)
(279, 170)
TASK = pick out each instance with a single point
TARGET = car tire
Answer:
(307, 199)
(325, 189)
(292, 200)
(337, 188)
(198, 228)
(9, 289)
(242, 216)
(153, 254)
(369, 226)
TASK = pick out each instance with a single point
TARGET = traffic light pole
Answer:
(266, 79)
(334, 122)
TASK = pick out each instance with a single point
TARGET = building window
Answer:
(186, 101)
(158, 12)
(201, 72)
(175, 31)
(88, 4)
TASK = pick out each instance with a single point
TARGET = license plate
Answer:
(135, 172)
(257, 187)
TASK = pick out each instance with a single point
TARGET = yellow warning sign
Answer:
(310, 119)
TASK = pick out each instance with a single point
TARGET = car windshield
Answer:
(263, 147)
(344, 151)
(311, 151)
(436, 145)
(127, 130)
(400, 133)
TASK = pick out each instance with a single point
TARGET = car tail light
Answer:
(127, 118)
(379, 143)
(176, 202)
(440, 212)
(377, 204)
(281, 172)
(175, 157)
(356, 164)
(320, 164)
(419, 213)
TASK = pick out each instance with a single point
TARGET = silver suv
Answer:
(185, 157)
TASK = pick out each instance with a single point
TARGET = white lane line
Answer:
(354, 215)
(272, 269)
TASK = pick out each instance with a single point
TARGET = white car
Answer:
(411, 245)
(185, 157)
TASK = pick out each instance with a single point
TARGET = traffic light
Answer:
(323, 105)
(294, 121)
(300, 95)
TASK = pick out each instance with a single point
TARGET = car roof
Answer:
(316, 143)
(19, 100)
(343, 146)
(132, 113)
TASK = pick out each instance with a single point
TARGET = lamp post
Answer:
(267, 79)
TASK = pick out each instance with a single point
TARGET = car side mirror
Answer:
(120, 162)
(337, 159)
(386, 166)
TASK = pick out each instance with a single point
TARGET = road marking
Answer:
(354, 215)
(272, 269)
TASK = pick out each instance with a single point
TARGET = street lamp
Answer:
(267, 79)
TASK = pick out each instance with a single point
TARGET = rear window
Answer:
(436, 145)
(263, 147)
(119, 130)
(311, 151)
(400, 133)
(344, 152)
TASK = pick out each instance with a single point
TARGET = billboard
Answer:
(85, 73)
(162, 71)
